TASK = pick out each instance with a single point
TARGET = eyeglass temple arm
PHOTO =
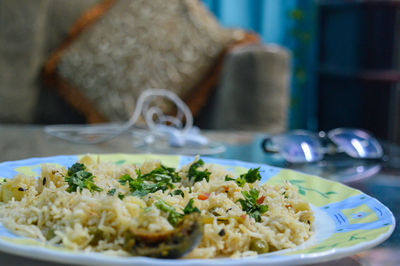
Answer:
(266, 145)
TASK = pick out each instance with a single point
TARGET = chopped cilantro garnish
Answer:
(79, 178)
(173, 216)
(125, 178)
(162, 174)
(250, 177)
(177, 192)
(174, 175)
(121, 196)
(227, 178)
(76, 167)
(196, 175)
(111, 192)
(240, 181)
(140, 188)
(250, 205)
(189, 208)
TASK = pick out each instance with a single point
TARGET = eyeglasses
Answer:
(301, 146)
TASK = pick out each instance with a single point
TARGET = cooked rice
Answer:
(44, 210)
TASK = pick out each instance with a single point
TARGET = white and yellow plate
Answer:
(347, 221)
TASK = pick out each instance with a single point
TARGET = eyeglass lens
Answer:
(299, 147)
(356, 143)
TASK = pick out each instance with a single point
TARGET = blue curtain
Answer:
(290, 23)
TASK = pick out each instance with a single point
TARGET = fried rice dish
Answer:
(198, 211)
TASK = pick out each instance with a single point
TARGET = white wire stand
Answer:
(157, 142)
(164, 133)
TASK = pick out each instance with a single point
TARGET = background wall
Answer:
(290, 23)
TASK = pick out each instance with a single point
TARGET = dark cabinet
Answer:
(358, 66)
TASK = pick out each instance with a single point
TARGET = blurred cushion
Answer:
(29, 31)
(118, 49)
(253, 92)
